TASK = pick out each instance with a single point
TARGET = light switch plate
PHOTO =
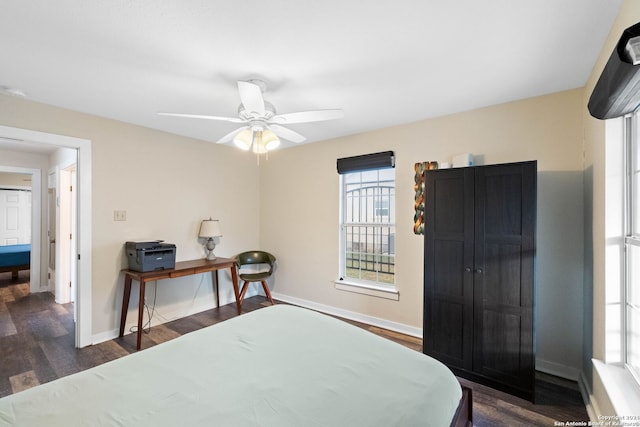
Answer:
(119, 215)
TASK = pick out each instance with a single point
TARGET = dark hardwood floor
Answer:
(37, 346)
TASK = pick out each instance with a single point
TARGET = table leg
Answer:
(236, 291)
(140, 313)
(216, 284)
(125, 303)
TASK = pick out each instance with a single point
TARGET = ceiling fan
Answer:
(261, 125)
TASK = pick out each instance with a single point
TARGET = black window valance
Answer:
(617, 91)
(385, 159)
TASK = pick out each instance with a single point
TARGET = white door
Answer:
(15, 217)
(73, 250)
(65, 267)
(51, 233)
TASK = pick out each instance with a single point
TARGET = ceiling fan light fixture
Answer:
(259, 147)
(259, 141)
(244, 139)
(270, 140)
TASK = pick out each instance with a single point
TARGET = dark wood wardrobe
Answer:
(479, 268)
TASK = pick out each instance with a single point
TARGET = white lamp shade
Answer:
(270, 140)
(244, 139)
(210, 228)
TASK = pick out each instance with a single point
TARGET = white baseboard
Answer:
(558, 370)
(104, 336)
(351, 315)
(587, 396)
(170, 316)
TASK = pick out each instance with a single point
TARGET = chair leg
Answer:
(267, 292)
(243, 291)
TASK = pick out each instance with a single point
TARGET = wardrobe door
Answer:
(448, 277)
(505, 210)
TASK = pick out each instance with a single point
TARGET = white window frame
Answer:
(631, 235)
(361, 286)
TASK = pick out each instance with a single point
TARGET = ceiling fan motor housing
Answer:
(269, 111)
(258, 125)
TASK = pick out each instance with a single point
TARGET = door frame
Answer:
(83, 219)
(52, 255)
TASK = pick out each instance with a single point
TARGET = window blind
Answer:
(382, 160)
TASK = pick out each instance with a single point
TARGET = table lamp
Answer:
(209, 229)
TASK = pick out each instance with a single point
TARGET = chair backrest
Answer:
(255, 257)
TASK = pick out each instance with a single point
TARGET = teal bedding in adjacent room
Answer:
(277, 366)
(15, 255)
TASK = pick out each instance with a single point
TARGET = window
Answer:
(632, 247)
(367, 226)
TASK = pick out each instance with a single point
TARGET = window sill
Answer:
(371, 290)
(623, 390)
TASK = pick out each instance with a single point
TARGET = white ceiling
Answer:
(384, 62)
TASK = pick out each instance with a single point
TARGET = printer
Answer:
(151, 255)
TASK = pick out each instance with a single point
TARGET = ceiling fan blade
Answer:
(287, 134)
(199, 116)
(251, 97)
(307, 116)
(228, 137)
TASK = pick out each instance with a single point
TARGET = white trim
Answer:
(105, 336)
(351, 315)
(36, 232)
(558, 370)
(593, 410)
(84, 223)
(14, 187)
(365, 289)
(170, 317)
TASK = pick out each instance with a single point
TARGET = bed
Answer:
(276, 366)
(14, 258)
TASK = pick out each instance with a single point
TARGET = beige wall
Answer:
(167, 184)
(15, 179)
(595, 213)
(299, 217)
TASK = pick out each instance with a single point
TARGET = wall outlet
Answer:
(119, 215)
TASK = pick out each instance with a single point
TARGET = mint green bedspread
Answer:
(278, 366)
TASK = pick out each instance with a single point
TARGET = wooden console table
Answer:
(183, 268)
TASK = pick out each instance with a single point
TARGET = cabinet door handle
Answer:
(467, 269)
(479, 270)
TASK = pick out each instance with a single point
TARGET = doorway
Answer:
(82, 239)
(15, 223)
(27, 214)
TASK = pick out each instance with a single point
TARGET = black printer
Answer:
(151, 255)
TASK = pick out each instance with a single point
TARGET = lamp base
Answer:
(209, 247)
